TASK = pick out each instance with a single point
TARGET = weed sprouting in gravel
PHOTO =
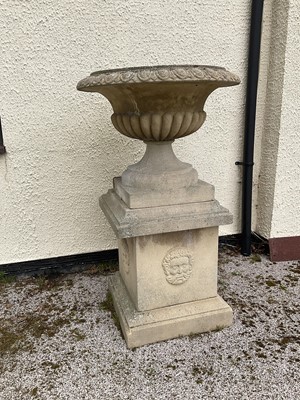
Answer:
(108, 305)
(6, 278)
(255, 258)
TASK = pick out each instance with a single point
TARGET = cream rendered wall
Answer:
(286, 209)
(261, 107)
(279, 176)
(62, 151)
(269, 112)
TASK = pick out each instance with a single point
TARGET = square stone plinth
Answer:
(168, 256)
(144, 327)
(170, 268)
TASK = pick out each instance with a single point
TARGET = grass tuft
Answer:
(104, 268)
(255, 258)
(108, 305)
(6, 278)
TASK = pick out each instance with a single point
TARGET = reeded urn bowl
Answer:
(158, 105)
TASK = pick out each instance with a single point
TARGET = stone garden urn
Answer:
(165, 218)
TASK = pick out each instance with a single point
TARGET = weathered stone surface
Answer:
(170, 268)
(166, 220)
(143, 198)
(140, 328)
(127, 222)
(159, 170)
(158, 103)
(160, 73)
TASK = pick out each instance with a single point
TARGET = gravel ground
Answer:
(58, 340)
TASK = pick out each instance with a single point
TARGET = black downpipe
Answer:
(2, 147)
(252, 81)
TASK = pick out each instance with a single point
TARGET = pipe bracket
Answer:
(244, 164)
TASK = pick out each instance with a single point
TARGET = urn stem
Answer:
(160, 170)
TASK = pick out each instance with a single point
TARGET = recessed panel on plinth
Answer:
(170, 268)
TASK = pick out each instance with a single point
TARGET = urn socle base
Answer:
(144, 198)
(145, 327)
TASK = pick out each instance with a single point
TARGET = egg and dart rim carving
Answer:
(173, 73)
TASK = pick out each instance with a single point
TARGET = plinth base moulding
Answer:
(144, 327)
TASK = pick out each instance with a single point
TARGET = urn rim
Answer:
(155, 67)
(159, 74)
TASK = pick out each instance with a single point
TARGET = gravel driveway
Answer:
(59, 340)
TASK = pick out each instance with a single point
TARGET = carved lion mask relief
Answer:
(177, 265)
